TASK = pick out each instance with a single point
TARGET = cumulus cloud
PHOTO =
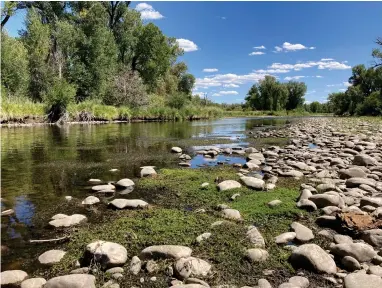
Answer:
(187, 45)
(210, 70)
(330, 65)
(148, 12)
(319, 76)
(288, 47)
(230, 86)
(273, 71)
(228, 79)
(259, 47)
(342, 90)
(328, 59)
(347, 84)
(225, 93)
(256, 53)
(293, 78)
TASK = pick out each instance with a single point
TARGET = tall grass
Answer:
(19, 109)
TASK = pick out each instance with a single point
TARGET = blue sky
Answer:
(314, 42)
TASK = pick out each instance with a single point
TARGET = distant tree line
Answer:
(270, 94)
(70, 52)
(364, 95)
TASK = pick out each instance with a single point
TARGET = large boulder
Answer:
(12, 277)
(313, 257)
(166, 252)
(372, 201)
(69, 221)
(108, 254)
(128, 203)
(253, 182)
(362, 280)
(373, 237)
(228, 184)
(72, 281)
(191, 266)
(364, 160)
(51, 257)
(360, 251)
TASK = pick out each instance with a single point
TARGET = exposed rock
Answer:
(375, 270)
(255, 237)
(373, 201)
(125, 183)
(373, 237)
(148, 171)
(313, 257)
(176, 150)
(303, 233)
(72, 281)
(108, 254)
(299, 281)
(51, 257)
(360, 251)
(90, 200)
(115, 270)
(128, 203)
(323, 200)
(231, 214)
(351, 264)
(253, 182)
(191, 266)
(203, 236)
(274, 203)
(103, 187)
(166, 252)
(364, 160)
(12, 277)
(151, 266)
(361, 280)
(286, 237)
(257, 254)
(33, 283)
(339, 239)
(69, 221)
(351, 173)
(228, 184)
(356, 181)
(307, 205)
(135, 265)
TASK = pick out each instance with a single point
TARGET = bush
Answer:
(371, 106)
(177, 100)
(58, 97)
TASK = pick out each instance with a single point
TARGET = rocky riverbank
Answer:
(307, 214)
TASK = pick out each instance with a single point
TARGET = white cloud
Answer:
(331, 65)
(347, 84)
(147, 12)
(319, 76)
(259, 47)
(230, 86)
(310, 92)
(288, 47)
(210, 70)
(216, 94)
(293, 78)
(274, 71)
(229, 92)
(327, 59)
(342, 90)
(223, 18)
(256, 53)
(332, 85)
(187, 45)
(226, 79)
(307, 102)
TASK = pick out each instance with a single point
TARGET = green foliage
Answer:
(296, 92)
(371, 106)
(186, 83)
(14, 66)
(177, 100)
(60, 94)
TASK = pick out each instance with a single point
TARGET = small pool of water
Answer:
(200, 161)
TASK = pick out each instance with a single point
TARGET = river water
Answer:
(42, 164)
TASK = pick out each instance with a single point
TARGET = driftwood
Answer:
(64, 238)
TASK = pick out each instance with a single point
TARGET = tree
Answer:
(315, 107)
(186, 84)
(14, 66)
(340, 102)
(127, 89)
(377, 53)
(153, 54)
(253, 98)
(296, 92)
(38, 43)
